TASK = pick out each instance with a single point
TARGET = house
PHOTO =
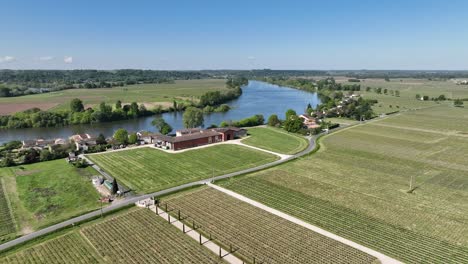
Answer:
(309, 121)
(38, 144)
(197, 137)
(83, 141)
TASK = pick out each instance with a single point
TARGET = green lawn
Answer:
(152, 94)
(147, 170)
(356, 185)
(275, 140)
(48, 192)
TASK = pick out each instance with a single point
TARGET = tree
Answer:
(458, 103)
(45, 155)
(5, 92)
(290, 113)
(115, 186)
(193, 117)
(132, 138)
(293, 124)
(385, 91)
(118, 105)
(397, 93)
(418, 96)
(174, 105)
(161, 125)
(273, 120)
(121, 135)
(101, 140)
(76, 105)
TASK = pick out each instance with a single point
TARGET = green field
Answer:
(48, 192)
(131, 236)
(356, 185)
(152, 94)
(275, 140)
(147, 170)
(255, 233)
(7, 224)
(409, 88)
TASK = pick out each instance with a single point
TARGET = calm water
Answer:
(257, 98)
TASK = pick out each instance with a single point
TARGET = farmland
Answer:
(275, 140)
(69, 248)
(150, 94)
(7, 224)
(408, 89)
(143, 237)
(130, 236)
(357, 185)
(48, 192)
(255, 233)
(145, 169)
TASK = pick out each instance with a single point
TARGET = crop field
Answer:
(253, 232)
(143, 237)
(151, 94)
(7, 224)
(409, 88)
(70, 248)
(358, 185)
(48, 192)
(275, 140)
(145, 170)
(131, 236)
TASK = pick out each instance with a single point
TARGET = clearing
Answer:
(148, 170)
(276, 140)
(357, 185)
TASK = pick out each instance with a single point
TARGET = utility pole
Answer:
(411, 183)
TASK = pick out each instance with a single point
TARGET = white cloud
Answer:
(7, 59)
(46, 58)
(68, 59)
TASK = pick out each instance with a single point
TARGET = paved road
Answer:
(132, 200)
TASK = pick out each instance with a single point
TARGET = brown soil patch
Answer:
(10, 108)
(23, 173)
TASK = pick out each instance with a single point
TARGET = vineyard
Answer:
(142, 237)
(275, 140)
(146, 170)
(253, 232)
(7, 224)
(358, 186)
(70, 248)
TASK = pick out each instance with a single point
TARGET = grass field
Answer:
(130, 236)
(275, 140)
(256, 233)
(151, 94)
(48, 192)
(356, 185)
(7, 223)
(146, 170)
(409, 88)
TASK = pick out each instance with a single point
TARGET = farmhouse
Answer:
(309, 121)
(189, 138)
(83, 141)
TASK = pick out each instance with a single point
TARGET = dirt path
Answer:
(383, 258)
(227, 256)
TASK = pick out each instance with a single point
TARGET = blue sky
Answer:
(191, 35)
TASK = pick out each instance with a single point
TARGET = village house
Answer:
(40, 144)
(83, 141)
(309, 121)
(189, 138)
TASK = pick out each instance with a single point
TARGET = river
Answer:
(257, 98)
